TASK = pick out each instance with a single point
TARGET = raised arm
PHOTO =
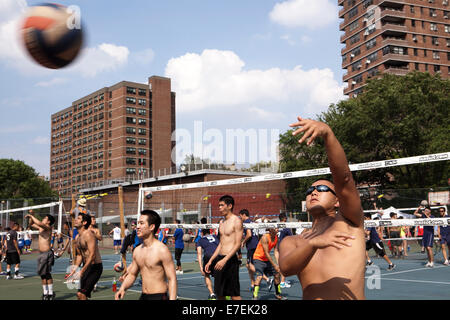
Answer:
(349, 201)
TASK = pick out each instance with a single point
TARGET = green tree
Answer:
(18, 180)
(395, 117)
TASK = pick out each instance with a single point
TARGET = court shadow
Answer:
(65, 296)
(333, 289)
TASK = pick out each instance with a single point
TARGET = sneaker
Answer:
(18, 276)
(369, 263)
(3, 273)
(391, 267)
(270, 284)
(44, 297)
(255, 298)
(280, 297)
(430, 265)
(212, 296)
(8, 276)
(287, 285)
(51, 296)
(446, 262)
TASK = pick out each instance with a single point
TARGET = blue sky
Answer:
(253, 64)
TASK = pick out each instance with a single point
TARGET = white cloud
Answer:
(216, 79)
(304, 13)
(52, 82)
(41, 140)
(104, 57)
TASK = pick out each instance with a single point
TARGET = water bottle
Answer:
(409, 248)
(114, 285)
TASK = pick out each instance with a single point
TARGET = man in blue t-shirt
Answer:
(208, 244)
(179, 246)
(374, 242)
(250, 240)
(424, 212)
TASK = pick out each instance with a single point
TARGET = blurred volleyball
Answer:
(118, 267)
(52, 34)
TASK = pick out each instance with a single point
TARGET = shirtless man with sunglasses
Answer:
(328, 259)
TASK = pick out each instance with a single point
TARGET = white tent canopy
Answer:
(387, 212)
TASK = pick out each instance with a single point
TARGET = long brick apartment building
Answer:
(113, 134)
(393, 36)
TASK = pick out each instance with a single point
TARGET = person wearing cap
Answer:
(424, 212)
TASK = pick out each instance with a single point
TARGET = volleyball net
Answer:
(266, 196)
(17, 215)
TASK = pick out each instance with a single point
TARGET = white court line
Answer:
(420, 281)
(412, 270)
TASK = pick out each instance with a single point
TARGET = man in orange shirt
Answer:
(264, 264)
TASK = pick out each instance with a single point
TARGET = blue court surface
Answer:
(410, 280)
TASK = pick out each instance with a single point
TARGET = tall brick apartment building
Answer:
(113, 134)
(393, 36)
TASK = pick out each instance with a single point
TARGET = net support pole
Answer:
(140, 200)
(60, 212)
(122, 222)
(72, 216)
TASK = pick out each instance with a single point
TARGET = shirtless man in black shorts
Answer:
(46, 257)
(88, 253)
(153, 260)
(226, 269)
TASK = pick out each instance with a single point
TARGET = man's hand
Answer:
(220, 264)
(120, 294)
(207, 267)
(330, 238)
(311, 128)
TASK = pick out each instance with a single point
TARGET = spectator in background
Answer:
(20, 240)
(282, 233)
(428, 233)
(374, 242)
(394, 236)
(179, 247)
(444, 236)
(117, 238)
(2, 253)
(404, 233)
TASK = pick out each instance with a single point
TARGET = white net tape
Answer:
(307, 173)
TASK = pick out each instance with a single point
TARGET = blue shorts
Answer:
(445, 240)
(117, 242)
(28, 242)
(427, 239)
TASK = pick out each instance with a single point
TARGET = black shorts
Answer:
(154, 296)
(250, 253)
(12, 258)
(89, 278)
(226, 281)
(378, 248)
(395, 234)
(211, 269)
(264, 268)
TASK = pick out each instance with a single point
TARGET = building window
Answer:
(142, 151)
(436, 55)
(142, 121)
(131, 171)
(131, 130)
(142, 92)
(142, 131)
(131, 110)
(353, 12)
(131, 150)
(371, 43)
(142, 102)
(352, 26)
(142, 112)
(142, 141)
(354, 39)
(131, 100)
(131, 140)
(131, 90)
(433, 27)
(131, 120)
(130, 161)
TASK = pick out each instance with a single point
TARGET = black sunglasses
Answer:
(319, 188)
